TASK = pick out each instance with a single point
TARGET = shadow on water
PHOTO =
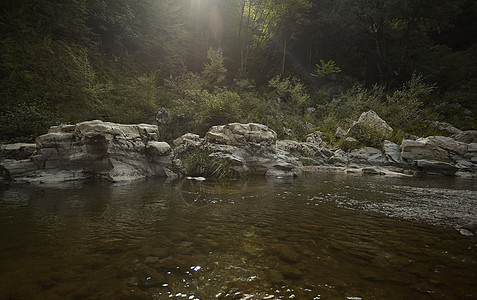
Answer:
(321, 236)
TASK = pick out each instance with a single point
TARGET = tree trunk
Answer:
(284, 56)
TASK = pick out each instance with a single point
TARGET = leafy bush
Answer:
(214, 71)
(289, 90)
(367, 136)
(23, 122)
(134, 101)
(402, 109)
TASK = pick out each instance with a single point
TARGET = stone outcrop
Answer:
(250, 149)
(118, 152)
(441, 155)
(469, 136)
(17, 151)
(93, 149)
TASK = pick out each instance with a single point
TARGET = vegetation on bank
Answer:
(296, 66)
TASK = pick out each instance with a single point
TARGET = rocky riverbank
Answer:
(118, 152)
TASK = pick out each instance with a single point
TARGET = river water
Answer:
(321, 236)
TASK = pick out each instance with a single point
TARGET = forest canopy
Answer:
(295, 65)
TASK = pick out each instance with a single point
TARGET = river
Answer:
(320, 236)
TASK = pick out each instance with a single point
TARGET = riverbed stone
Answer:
(290, 271)
(434, 166)
(372, 171)
(285, 253)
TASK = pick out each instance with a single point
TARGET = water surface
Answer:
(321, 236)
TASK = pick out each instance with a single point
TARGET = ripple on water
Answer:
(324, 236)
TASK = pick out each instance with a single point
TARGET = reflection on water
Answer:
(322, 236)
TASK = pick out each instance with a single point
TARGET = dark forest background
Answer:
(295, 65)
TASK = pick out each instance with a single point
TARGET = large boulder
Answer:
(371, 122)
(250, 149)
(366, 156)
(252, 137)
(435, 167)
(311, 152)
(94, 149)
(442, 155)
(432, 147)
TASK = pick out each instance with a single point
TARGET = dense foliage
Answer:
(294, 65)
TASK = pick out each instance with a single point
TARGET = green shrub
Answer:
(396, 136)
(200, 163)
(347, 145)
(289, 90)
(23, 122)
(367, 136)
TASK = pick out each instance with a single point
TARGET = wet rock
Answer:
(160, 252)
(466, 232)
(290, 271)
(433, 166)
(472, 227)
(275, 277)
(372, 171)
(285, 253)
(172, 263)
(151, 260)
(147, 277)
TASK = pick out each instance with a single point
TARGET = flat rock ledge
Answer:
(96, 150)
